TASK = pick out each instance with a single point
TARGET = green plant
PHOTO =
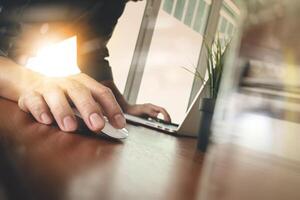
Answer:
(214, 66)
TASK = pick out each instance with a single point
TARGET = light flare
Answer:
(56, 60)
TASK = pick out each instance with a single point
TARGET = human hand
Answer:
(147, 110)
(49, 99)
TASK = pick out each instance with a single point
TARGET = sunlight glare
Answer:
(56, 60)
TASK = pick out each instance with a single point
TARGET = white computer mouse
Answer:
(114, 132)
(109, 129)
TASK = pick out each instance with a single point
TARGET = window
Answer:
(228, 19)
(192, 13)
(176, 43)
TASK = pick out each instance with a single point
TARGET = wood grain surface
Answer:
(41, 162)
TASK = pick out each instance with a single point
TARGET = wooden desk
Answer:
(256, 154)
(41, 162)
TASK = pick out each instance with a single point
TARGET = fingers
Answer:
(90, 98)
(107, 101)
(60, 108)
(154, 111)
(163, 111)
(35, 104)
(110, 107)
(86, 105)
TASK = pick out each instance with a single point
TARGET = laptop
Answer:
(188, 127)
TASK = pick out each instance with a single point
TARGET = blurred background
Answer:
(255, 145)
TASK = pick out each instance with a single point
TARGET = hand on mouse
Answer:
(49, 99)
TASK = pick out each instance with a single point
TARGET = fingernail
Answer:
(69, 123)
(46, 118)
(120, 121)
(96, 121)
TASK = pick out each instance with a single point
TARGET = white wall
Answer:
(165, 82)
(122, 44)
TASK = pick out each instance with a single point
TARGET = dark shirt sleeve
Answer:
(92, 59)
(3, 35)
(93, 36)
(8, 32)
(2, 53)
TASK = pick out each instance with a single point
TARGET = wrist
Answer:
(15, 79)
(27, 80)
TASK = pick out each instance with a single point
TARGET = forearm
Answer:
(119, 97)
(14, 79)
